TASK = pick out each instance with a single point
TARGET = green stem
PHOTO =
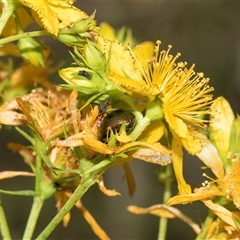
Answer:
(3, 225)
(39, 168)
(24, 35)
(39, 199)
(206, 225)
(32, 220)
(78, 193)
(162, 231)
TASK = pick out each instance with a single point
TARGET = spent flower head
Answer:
(44, 111)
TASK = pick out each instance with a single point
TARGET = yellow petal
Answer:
(44, 14)
(23, 150)
(199, 194)
(110, 193)
(209, 156)
(159, 210)
(154, 131)
(162, 210)
(54, 14)
(123, 137)
(221, 212)
(144, 51)
(220, 124)
(107, 31)
(88, 140)
(130, 179)
(190, 143)
(177, 159)
(97, 145)
(122, 64)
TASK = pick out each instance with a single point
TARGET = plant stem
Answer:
(162, 231)
(32, 220)
(205, 225)
(24, 35)
(3, 225)
(39, 199)
(78, 193)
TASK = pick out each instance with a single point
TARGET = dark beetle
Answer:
(84, 74)
(113, 121)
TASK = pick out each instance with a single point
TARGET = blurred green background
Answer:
(206, 34)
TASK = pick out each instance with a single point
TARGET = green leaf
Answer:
(100, 166)
(48, 162)
(24, 134)
(20, 193)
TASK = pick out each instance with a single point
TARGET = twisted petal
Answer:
(177, 158)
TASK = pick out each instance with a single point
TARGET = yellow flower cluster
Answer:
(126, 102)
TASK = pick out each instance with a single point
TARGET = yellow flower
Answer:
(54, 15)
(182, 95)
(185, 95)
(123, 69)
(166, 89)
(223, 158)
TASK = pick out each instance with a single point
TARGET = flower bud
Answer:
(84, 25)
(78, 32)
(94, 59)
(221, 121)
(85, 80)
(31, 50)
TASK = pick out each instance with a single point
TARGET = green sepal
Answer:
(154, 109)
(31, 50)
